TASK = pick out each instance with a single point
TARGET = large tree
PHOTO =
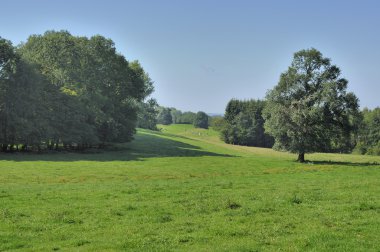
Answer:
(201, 120)
(310, 110)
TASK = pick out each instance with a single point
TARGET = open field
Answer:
(183, 189)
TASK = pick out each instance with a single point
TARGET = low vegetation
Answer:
(182, 189)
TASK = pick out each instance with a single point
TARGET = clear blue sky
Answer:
(202, 53)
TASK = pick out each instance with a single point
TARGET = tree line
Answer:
(168, 116)
(62, 91)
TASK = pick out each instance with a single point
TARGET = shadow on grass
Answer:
(145, 145)
(343, 163)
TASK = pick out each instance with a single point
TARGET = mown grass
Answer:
(182, 189)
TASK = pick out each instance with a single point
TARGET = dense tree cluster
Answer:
(147, 114)
(164, 116)
(187, 117)
(369, 133)
(168, 116)
(176, 116)
(59, 90)
(244, 124)
(180, 117)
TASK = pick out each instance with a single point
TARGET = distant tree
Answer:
(369, 133)
(244, 124)
(201, 120)
(310, 110)
(176, 115)
(147, 115)
(164, 117)
(187, 118)
(218, 123)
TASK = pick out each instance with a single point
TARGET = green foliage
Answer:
(168, 116)
(20, 99)
(62, 90)
(244, 124)
(176, 115)
(369, 133)
(201, 120)
(180, 117)
(309, 110)
(178, 190)
(187, 118)
(164, 116)
(147, 116)
(217, 123)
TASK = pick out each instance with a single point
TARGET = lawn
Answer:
(182, 189)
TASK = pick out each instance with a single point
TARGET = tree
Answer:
(310, 110)
(218, 123)
(147, 116)
(201, 120)
(369, 132)
(187, 118)
(20, 99)
(164, 117)
(176, 115)
(244, 124)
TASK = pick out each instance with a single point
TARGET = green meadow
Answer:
(182, 189)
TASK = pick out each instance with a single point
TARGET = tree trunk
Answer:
(301, 157)
(4, 147)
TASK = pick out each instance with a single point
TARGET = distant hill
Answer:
(214, 114)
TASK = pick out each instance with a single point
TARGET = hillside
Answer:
(182, 189)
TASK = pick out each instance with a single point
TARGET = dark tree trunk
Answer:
(301, 157)
(4, 147)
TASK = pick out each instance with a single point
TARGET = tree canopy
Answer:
(244, 124)
(59, 89)
(147, 114)
(201, 120)
(310, 110)
(369, 132)
(164, 116)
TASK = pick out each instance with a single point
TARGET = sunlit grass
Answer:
(184, 189)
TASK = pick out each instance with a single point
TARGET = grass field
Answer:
(182, 189)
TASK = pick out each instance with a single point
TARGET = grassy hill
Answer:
(183, 189)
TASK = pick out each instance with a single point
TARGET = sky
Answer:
(202, 53)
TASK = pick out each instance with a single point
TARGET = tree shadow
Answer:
(344, 163)
(146, 145)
